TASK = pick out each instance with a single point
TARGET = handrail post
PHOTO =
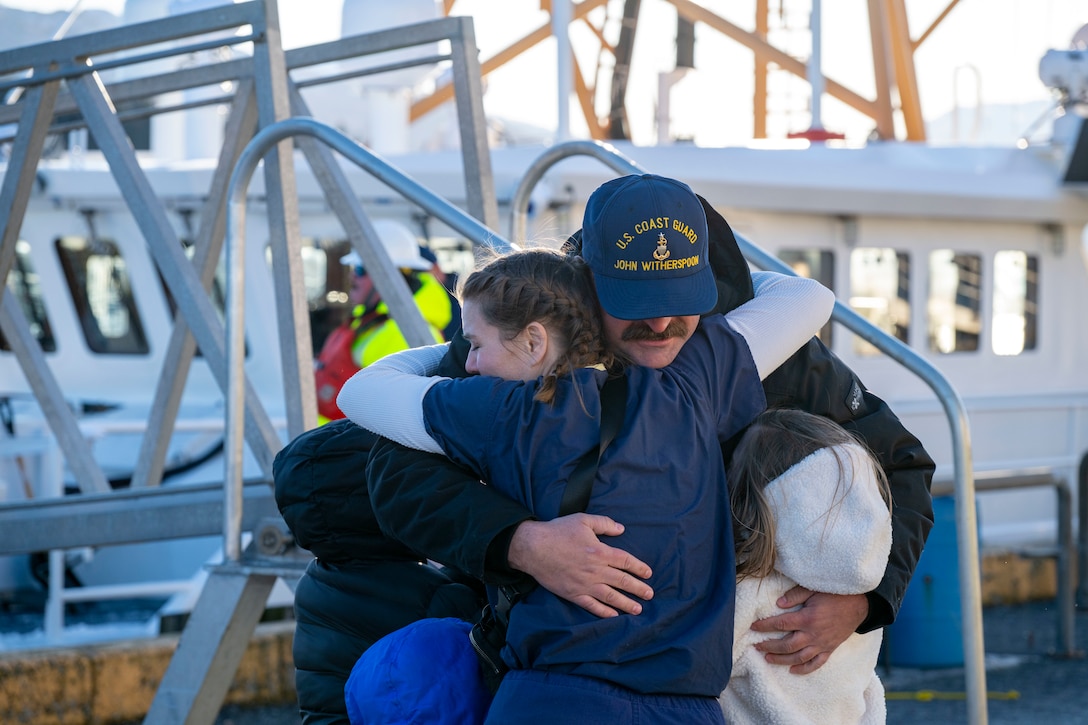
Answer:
(1066, 570)
(1082, 535)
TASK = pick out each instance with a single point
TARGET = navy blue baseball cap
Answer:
(645, 239)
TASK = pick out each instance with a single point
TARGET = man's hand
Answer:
(565, 557)
(814, 631)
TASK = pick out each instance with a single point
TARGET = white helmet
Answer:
(400, 244)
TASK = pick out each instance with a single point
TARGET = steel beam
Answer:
(126, 517)
(50, 397)
(223, 17)
(241, 124)
(468, 80)
(162, 241)
(910, 102)
(882, 61)
(198, 678)
(765, 52)
(387, 278)
(34, 114)
(14, 197)
(144, 88)
(292, 308)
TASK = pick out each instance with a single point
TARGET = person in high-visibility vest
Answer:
(371, 333)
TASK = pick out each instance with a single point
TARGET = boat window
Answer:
(954, 305)
(98, 279)
(817, 264)
(880, 292)
(1016, 289)
(24, 283)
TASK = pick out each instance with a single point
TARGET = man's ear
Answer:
(536, 341)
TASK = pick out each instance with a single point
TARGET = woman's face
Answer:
(489, 353)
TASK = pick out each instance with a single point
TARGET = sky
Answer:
(985, 52)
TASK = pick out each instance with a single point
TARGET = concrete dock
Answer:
(115, 683)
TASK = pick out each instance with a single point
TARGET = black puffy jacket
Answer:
(361, 585)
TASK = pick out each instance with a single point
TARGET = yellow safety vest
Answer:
(380, 340)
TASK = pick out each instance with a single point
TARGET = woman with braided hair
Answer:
(535, 297)
(523, 423)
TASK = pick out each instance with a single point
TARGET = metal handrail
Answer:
(966, 523)
(376, 259)
(1082, 537)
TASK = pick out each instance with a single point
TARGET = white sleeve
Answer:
(386, 397)
(783, 315)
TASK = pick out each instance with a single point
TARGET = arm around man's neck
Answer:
(444, 513)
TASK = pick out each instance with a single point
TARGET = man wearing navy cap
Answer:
(646, 240)
(643, 232)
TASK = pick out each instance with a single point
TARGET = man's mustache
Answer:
(640, 331)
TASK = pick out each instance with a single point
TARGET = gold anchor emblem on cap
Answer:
(662, 251)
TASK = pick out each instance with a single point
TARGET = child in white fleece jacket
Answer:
(810, 507)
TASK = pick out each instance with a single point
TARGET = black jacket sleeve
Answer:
(814, 379)
(429, 503)
(440, 510)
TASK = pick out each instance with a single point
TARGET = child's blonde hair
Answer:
(776, 441)
(545, 286)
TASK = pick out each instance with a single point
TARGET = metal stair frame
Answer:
(60, 78)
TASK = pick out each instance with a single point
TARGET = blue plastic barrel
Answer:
(929, 629)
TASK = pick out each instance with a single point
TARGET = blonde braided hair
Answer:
(545, 286)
